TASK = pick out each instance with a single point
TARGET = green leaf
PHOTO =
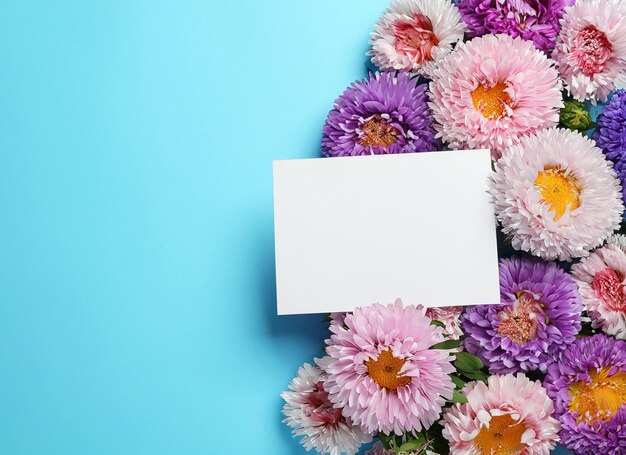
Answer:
(575, 116)
(414, 444)
(458, 382)
(449, 344)
(458, 397)
(467, 362)
(475, 375)
(437, 323)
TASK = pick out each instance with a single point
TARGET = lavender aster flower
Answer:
(383, 114)
(533, 20)
(588, 387)
(539, 316)
(610, 135)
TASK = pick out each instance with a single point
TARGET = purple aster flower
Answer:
(383, 114)
(588, 387)
(610, 135)
(539, 316)
(533, 20)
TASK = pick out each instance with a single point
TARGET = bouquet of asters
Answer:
(538, 83)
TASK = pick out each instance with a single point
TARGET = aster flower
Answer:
(451, 319)
(601, 278)
(508, 415)
(610, 135)
(338, 318)
(380, 115)
(382, 371)
(556, 196)
(588, 387)
(538, 318)
(491, 91)
(591, 48)
(533, 20)
(311, 415)
(413, 35)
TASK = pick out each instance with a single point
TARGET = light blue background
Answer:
(137, 297)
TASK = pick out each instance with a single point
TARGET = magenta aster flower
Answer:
(508, 415)
(382, 371)
(538, 318)
(493, 90)
(413, 35)
(383, 114)
(312, 416)
(588, 387)
(601, 277)
(591, 48)
(532, 20)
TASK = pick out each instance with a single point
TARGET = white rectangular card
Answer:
(357, 230)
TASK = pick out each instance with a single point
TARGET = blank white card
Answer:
(353, 231)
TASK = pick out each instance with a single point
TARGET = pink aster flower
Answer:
(508, 415)
(451, 318)
(338, 318)
(491, 91)
(591, 48)
(413, 35)
(312, 416)
(601, 278)
(381, 368)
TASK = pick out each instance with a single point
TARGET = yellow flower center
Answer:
(502, 437)
(599, 399)
(385, 371)
(558, 190)
(493, 101)
(377, 132)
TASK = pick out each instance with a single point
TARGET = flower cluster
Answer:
(546, 364)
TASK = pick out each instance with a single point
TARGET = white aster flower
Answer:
(556, 195)
(591, 48)
(311, 415)
(413, 35)
(601, 278)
